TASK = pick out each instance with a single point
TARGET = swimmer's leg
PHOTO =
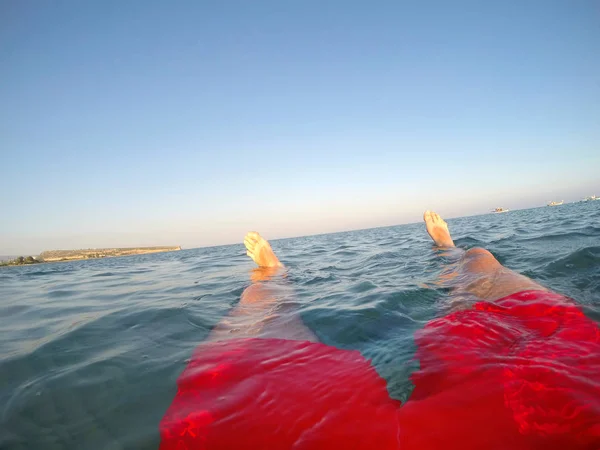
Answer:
(477, 272)
(261, 312)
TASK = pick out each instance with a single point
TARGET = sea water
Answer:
(90, 350)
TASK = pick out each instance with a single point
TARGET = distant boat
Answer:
(500, 210)
(591, 198)
(556, 203)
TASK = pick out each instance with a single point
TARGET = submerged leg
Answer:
(262, 309)
(478, 272)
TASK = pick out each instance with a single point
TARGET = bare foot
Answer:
(260, 250)
(437, 229)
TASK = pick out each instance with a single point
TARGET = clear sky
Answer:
(126, 123)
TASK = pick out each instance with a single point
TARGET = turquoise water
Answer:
(90, 350)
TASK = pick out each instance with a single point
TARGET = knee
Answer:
(478, 252)
(480, 260)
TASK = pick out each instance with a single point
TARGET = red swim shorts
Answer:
(522, 372)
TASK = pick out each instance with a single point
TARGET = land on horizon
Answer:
(90, 253)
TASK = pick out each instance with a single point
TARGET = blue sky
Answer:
(148, 123)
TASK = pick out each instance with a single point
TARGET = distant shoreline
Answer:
(91, 253)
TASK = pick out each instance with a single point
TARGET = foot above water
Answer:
(437, 229)
(260, 250)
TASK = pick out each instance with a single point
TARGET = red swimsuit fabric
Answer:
(522, 372)
(279, 394)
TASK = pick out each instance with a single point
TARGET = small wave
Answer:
(362, 286)
(59, 293)
(338, 253)
(562, 235)
(583, 259)
(468, 242)
(104, 274)
(319, 279)
(36, 273)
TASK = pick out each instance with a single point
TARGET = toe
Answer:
(249, 243)
(254, 235)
